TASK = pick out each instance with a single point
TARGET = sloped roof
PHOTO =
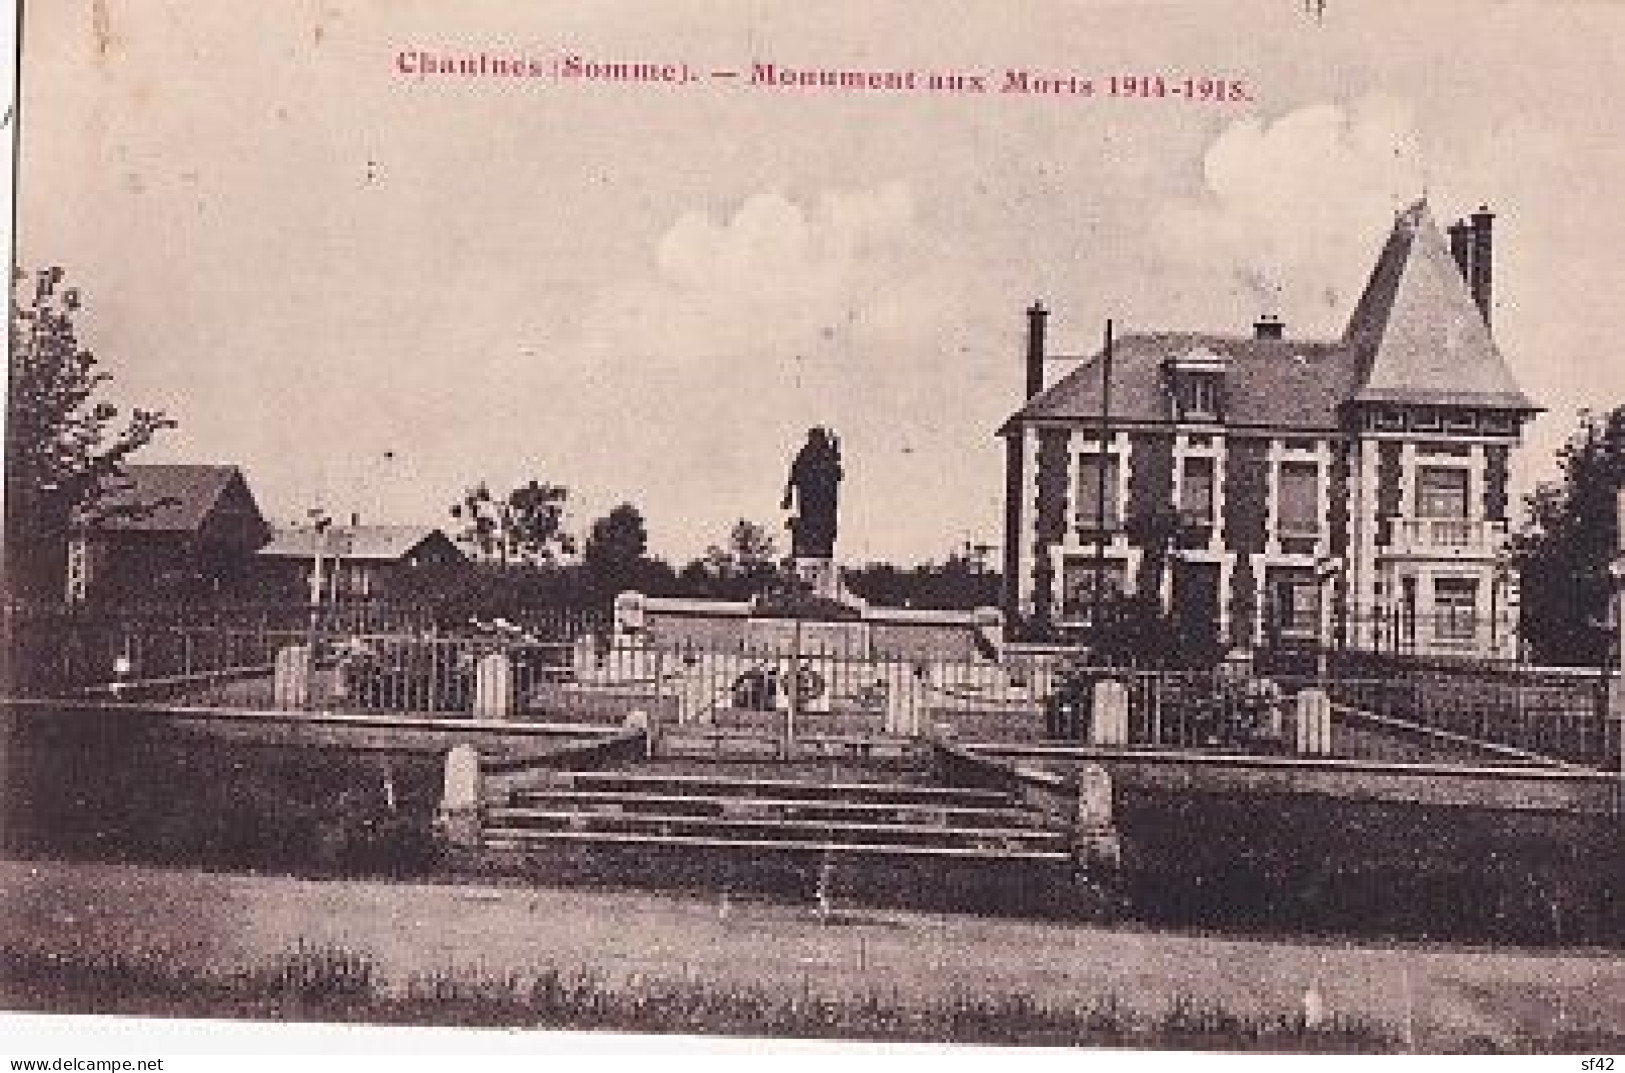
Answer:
(1415, 336)
(1417, 333)
(388, 543)
(1269, 382)
(181, 496)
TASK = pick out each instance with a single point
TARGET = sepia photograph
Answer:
(1071, 525)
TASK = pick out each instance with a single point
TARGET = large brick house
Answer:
(1347, 492)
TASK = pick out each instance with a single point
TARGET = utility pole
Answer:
(1102, 445)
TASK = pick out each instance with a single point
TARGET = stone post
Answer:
(987, 627)
(584, 658)
(631, 610)
(493, 687)
(1095, 843)
(905, 698)
(1108, 724)
(696, 685)
(460, 798)
(1314, 737)
(638, 719)
(290, 680)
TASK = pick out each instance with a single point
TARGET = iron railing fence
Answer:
(1562, 721)
(1020, 696)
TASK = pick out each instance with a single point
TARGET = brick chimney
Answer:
(1461, 248)
(1479, 283)
(1037, 316)
(1269, 326)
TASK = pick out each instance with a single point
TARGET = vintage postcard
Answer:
(1051, 524)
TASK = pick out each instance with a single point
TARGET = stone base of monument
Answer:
(852, 628)
(820, 575)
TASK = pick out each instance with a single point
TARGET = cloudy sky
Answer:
(372, 290)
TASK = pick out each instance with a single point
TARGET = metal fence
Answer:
(1566, 721)
(1032, 696)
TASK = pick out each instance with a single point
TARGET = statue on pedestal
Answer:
(815, 478)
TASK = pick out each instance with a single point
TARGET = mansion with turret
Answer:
(1272, 490)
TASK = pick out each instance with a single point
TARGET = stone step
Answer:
(522, 839)
(807, 788)
(772, 808)
(734, 829)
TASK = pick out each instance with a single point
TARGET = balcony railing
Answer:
(1431, 536)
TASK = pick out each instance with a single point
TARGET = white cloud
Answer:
(746, 328)
(1293, 210)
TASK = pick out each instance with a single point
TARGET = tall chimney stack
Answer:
(1481, 260)
(1461, 248)
(1037, 316)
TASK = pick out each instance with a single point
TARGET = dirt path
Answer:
(1441, 996)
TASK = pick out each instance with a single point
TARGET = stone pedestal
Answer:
(1095, 844)
(1314, 737)
(820, 575)
(905, 698)
(493, 687)
(290, 679)
(584, 662)
(639, 720)
(1109, 725)
(459, 814)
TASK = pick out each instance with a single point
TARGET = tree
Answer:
(960, 582)
(752, 550)
(526, 526)
(66, 449)
(740, 568)
(1564, 552)
(615, 550)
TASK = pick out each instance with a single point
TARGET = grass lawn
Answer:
(211, 943)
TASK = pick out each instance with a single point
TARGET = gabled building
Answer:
(358, 561)
(168, 530)
(1269, 489)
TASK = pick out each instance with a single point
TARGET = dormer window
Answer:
(1196, 385)
(1201, 397)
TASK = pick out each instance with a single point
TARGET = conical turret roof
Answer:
(1417, 335)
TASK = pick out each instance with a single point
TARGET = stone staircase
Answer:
(880, 836)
